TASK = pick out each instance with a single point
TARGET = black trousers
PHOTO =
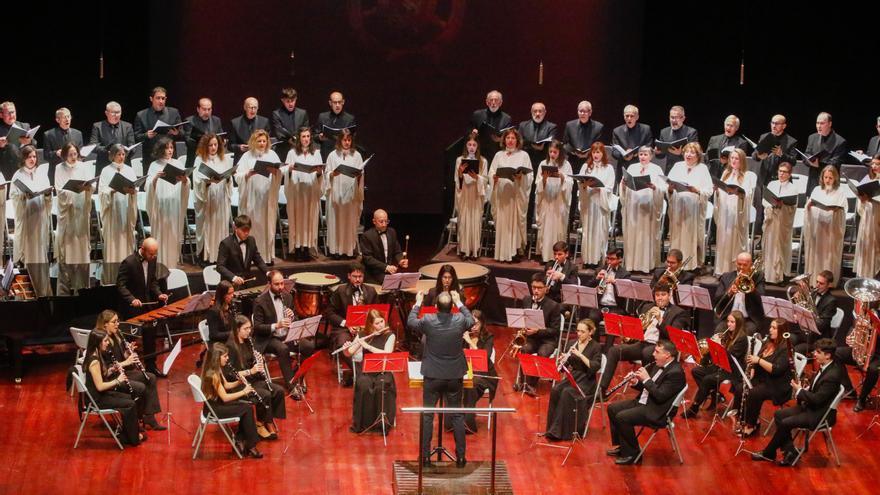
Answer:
(760, 392)
(272, 406)
(596, 315)
(338, 338)
(844, 355)
(451, 392)
(624, 416)
(145, 388)
(643, 351)
(247, 428)
(787, 420)
(708, 379)
(127, 407)
(282, 354)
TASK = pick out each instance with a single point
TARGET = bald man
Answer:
(336, 118)
(748, 304)
(203, 122)
(245, 125)
(381, 250)
(138, 286)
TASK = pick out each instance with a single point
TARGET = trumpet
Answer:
(603, 284)
(629, 376)
(549, 280)
(744, 283)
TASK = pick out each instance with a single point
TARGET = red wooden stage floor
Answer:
(39, 426)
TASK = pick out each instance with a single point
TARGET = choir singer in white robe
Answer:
(118, 214)
(595, 205)
(732, 212)
(778, 225)
(471, 191)
(824, 228)
(72, 246)
(303, 191)
(258, 195)
(166, 203)
(32, 220)
(867, 260)
(687, 209)
(641, 215)
(345, 197)
(552, 201)
(510, 197)
(212, 197)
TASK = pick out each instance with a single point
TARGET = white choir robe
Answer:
(213, 206)
(552, 204)
(823, 233)
(470, 199)
(732, 222)
(32, 224)
(510, 204)
(777, 231)
(345, 203)
(303, 192)
(258, 199)
(867, 260)
(595, 210)
(641, 212)
(687, 212)
(118, 217)
(72, 240)
(166, 205)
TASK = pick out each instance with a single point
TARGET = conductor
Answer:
(443, 365)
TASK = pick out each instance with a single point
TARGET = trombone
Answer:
(744, 283)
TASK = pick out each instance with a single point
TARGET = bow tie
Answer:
(277, 297)
(241, 243)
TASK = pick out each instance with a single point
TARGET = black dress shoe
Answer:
(256, 454)
(156, 372)
(151, 423)
(757, 456)
(460, 462)
(625, 461)
(859, 407)
(788, 459)
(615, 452)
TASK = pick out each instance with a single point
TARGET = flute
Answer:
(358, 339)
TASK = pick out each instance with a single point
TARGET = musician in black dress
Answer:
(569, 405)
(478, 337)
(219, 316)
(225, 398)
(447, 280)
(109, 388)
(143, 383)
(373, 392)
(560, 271)
(249, 366)
(771, 374)
(709, 376)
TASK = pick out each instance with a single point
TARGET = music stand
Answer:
(166, 369)
(512, 288)
(394, 362)
(356, 316)
(775, 307)
(719, 355)
(538, 366)
(630, 289)
(684, 341)
(522, 319)
(432, 310)
(576, 436)
(747, 383)
(694, 297)
(579, 297)
(300, 374)
(393, 284)
(624, 326)
(300, 330)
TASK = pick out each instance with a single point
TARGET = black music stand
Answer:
(394, 362)
(576, 437)
(300, 374)
(298, 331)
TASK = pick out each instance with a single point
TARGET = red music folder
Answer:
(719, 355)
(393, 362)
(478, 359)
(684, 341)
(356, 316)
(624, 326)
(538, 366)
(430, 310)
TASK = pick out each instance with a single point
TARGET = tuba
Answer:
(800, 293)
(863, 338)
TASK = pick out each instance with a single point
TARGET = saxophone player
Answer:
(749, 304)
(540, 341)
(655, 317)
(608, 302)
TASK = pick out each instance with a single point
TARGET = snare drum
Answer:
(472, 277)
(312, 292)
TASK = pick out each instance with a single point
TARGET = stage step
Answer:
(445, 478)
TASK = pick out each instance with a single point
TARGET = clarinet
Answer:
(116, 365)
(137, 361)
(252, 393)
(259, 358)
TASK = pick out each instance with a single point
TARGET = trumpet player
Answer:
(749, 304)
(826, 306)
(272, 319)
(655, 318)
(540, 341)
(559, 271)
(604, 282)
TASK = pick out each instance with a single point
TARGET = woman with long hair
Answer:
(212, 198)
(824, 224)
(732, 212)
(219, 316)
(569, 405)
(345, 196)
(447, 280)
(472, 189)
(595, 205)
(552, 200)
(303, 190)
(708, 375)
(479, 337)
(373, 392)
(771, 376)
(167, 201)
(225, 396)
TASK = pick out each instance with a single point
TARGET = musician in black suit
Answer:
(203, 122)
(443, 365)
(826, 308)
(110, 131)
(608, 301)
(244, 126)
(813, 402)
(782, 151)
(540, 341)
(834, 145)
(676, 130)
(673, 262)
(138, 284)
(534, 130)
(353, 293)
(659, 383)
(336, 118)
(380, 249)
(287, 120)
(54, 139)
(10, 153)
(560, 271)
(238, 252)
(488, 123)
(581, 133)
(630, 136)
(659, 314)
(146, 119)
(749, 304)
(719, 142)
(272, 318)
